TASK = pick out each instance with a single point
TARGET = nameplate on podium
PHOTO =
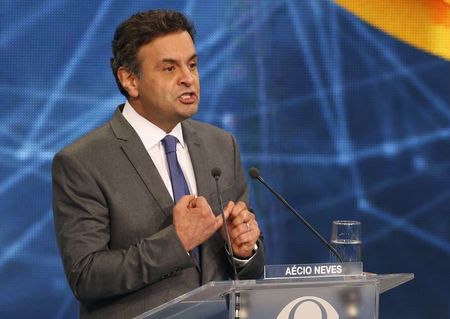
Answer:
(312, 270)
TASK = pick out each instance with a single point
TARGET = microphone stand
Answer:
(255, 174)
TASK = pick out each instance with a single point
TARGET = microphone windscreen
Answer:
(254, 172)
(216, 172)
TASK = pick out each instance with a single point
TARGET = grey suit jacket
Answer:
(113, 219)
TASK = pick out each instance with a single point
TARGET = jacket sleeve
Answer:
(254, 269)
(82, 224)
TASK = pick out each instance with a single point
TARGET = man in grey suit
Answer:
(128, 240)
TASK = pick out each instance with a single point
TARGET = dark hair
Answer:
(140, 29)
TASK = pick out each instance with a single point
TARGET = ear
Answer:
(129, 81)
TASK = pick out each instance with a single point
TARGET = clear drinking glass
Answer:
(346, 238)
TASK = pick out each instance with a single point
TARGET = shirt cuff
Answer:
(242, 262)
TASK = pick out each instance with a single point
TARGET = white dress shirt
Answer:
(151, 136)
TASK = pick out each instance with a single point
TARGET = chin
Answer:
(190, 111)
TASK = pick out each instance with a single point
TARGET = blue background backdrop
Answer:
(344, 120)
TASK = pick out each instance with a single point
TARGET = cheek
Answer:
(157, 92)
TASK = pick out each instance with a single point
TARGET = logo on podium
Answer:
(308, 307)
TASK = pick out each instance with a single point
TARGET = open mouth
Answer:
(188, 98)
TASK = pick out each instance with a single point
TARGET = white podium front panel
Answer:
(346, 297)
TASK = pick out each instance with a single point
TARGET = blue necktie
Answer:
(179, 185)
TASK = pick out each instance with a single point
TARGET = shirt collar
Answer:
(150, 134)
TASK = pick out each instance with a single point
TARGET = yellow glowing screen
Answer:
(424, 24)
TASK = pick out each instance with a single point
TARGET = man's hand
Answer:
(243, 228)
(194, 221)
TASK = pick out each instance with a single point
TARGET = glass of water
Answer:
(346, 238)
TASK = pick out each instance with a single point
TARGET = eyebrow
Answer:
(174, 61)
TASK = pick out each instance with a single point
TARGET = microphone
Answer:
(216, 172)
(255, 174)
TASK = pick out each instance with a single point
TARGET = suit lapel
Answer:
(136, 153)
(199, 159)
(205, 186)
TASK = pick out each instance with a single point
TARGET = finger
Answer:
(184, 200)
(230, 225)
(228, 209)
(201, 201)
(245, 236)
(245, 232)
(244, 217)
(238, 208)
(192, 202)
(218, 222)
(195, 212)
(203, 204)
(229, 206)
(236, 231)
(249, 238)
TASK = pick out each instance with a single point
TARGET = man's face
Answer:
(168, 88)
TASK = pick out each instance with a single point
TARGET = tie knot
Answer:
(170, 143)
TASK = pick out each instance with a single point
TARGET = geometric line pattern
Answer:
(344, 120)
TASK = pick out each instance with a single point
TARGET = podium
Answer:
(343, 297)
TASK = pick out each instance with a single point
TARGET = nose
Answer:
(187, 77)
